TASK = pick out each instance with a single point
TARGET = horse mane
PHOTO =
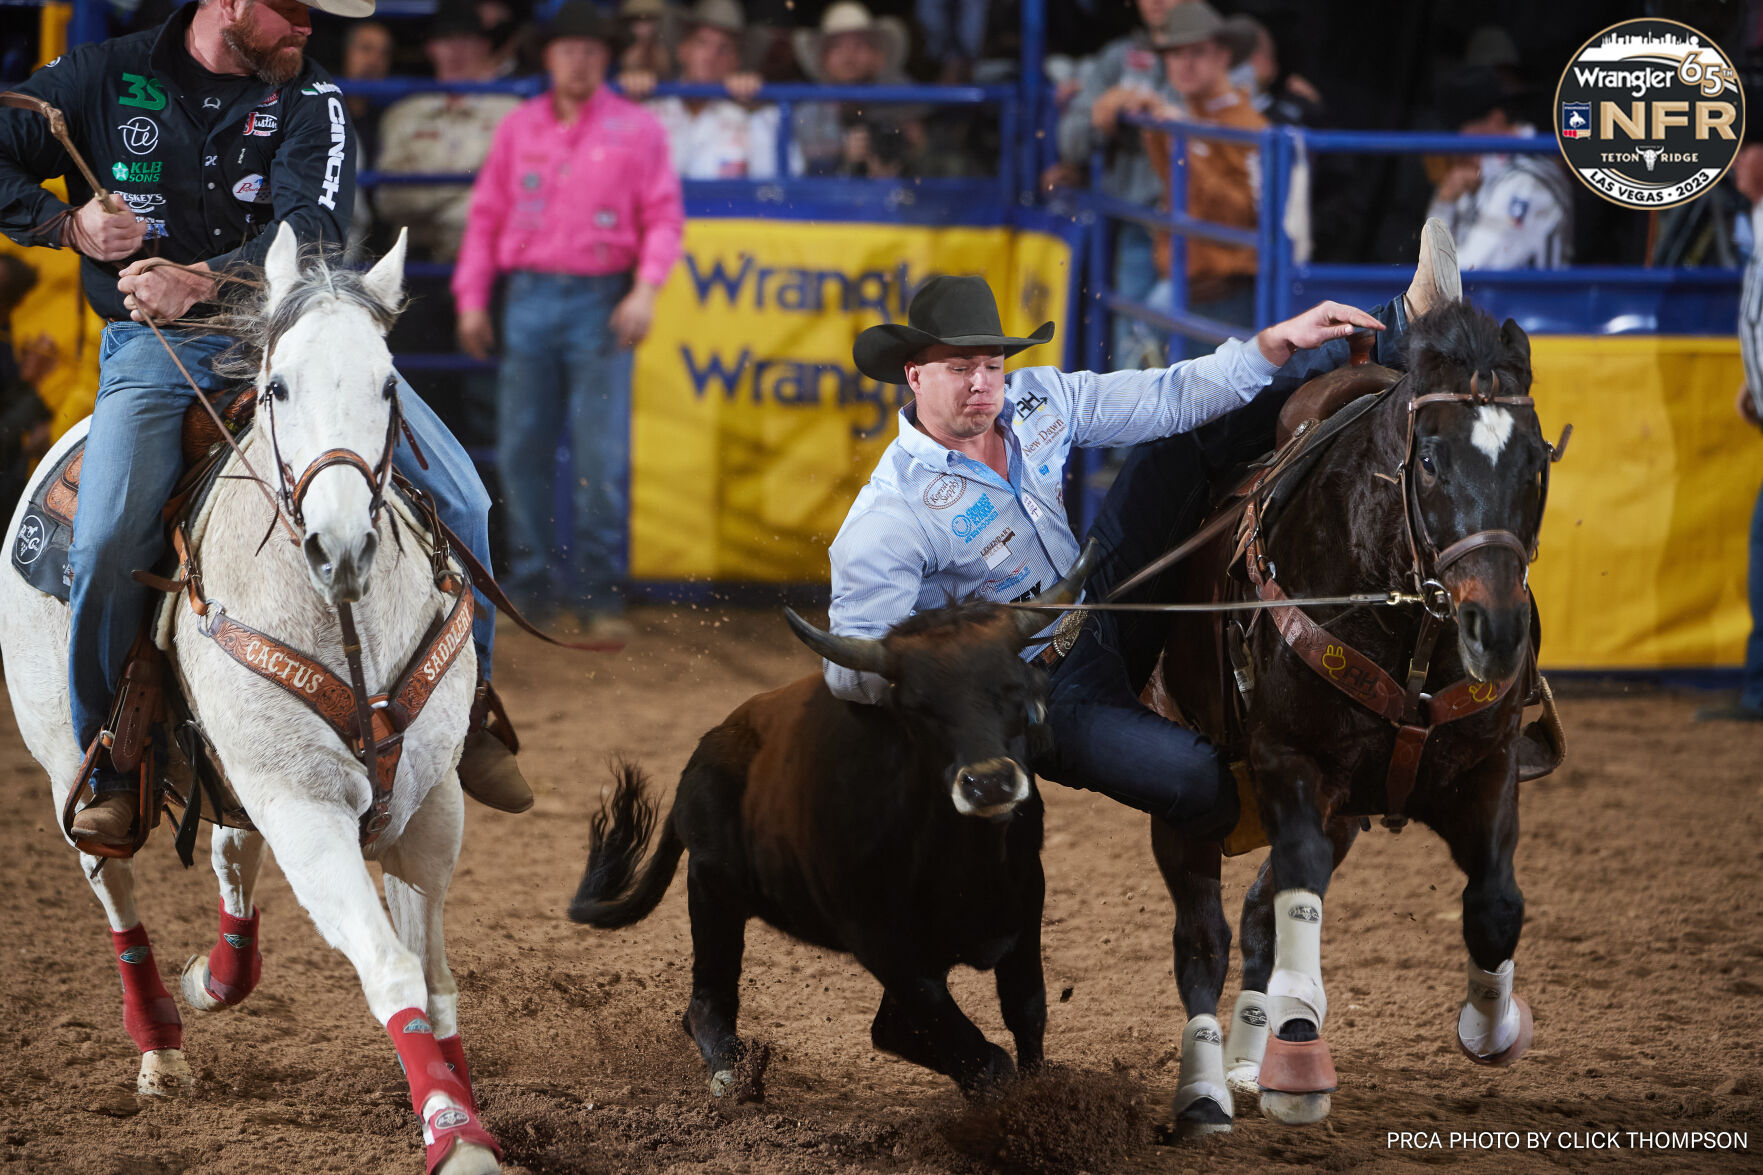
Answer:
(1458, 340)
(321, 275)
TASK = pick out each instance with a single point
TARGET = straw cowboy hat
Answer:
(849, 16)
(959, 311)
(725, 15)
(355, 8)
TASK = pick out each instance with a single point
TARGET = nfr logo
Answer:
(974, 519)
(1576, 120)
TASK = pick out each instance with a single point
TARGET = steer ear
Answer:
(863, 655)
(1029, 621)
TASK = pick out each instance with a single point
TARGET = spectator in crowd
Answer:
(438, 132)
(720, 138)
(24, 418)
(1505, 211)
(1281, 96)
(367, 57)
(1223, 179)
(854, 47)
(954, 34)
(1747, 172)
(580, 205)
(648, 53)
(1125, 78)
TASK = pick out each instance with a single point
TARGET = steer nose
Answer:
(340, 576)
(992, 787)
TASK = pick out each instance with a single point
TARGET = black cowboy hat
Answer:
(958, 311)
(580, 18)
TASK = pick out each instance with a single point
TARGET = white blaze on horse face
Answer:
(1493, 428)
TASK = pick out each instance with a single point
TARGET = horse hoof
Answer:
(194, 983)
(1244, 1079)
(469, 1159)
(1295, 1109)
(164, 1073)
(721, 1082)
(1511, 1053)
(1201, 1117)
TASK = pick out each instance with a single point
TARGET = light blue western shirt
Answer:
(934, 526)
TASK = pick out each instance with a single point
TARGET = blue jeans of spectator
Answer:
(564, 376)
(1105, 740)
(1751, 692)
(1135, 273)
(133, 459)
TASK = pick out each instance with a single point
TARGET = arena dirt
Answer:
(1642, 864)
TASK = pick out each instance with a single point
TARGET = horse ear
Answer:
(1514, 337)
(385, 281)
(281, 267)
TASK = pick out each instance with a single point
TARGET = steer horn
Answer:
(852, 652)
(1030, 622)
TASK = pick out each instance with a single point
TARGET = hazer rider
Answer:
(213, 129)
(968, 502)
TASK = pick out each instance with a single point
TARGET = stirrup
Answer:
(146, 812)
(488, 714)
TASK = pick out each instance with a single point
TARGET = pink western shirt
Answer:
(594, 197)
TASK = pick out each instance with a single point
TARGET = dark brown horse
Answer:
(1436, 487)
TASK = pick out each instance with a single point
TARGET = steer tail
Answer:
(612, 894)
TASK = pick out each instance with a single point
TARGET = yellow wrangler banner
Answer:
(751, 430)
(1643, 555)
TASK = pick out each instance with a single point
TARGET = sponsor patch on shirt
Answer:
(260, 124)
(968, 524)
(945, 491)
(250, 189)
(997, 552)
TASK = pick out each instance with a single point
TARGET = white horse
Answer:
(328, 377)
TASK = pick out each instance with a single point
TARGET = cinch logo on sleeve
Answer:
(333, 164)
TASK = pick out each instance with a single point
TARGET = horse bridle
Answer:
(293, 490)
(1429, 561)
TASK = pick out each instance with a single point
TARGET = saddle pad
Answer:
(45, 533)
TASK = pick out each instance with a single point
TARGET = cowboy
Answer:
(214, 128)
(968, 502)
(579, 202)
(853, 47)
(717, 138)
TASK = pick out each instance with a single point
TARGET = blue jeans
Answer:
(563, 370)
(133, 459)
(1105, 740)
(1751, 692)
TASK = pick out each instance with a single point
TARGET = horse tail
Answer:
(612, 894)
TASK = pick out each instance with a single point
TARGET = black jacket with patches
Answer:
(208, 180)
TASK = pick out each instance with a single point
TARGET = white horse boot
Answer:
(1494, 1026)
(1296, 1077)
(1202, 1103)
(1247, 1043)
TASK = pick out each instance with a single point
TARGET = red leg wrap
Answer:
(147, 1008)
(426, 1068)
(234, 964)
(453, 1051)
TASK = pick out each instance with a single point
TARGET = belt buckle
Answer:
(1070, 625)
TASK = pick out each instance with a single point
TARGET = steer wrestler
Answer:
(968, 503)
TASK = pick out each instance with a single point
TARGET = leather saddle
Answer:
(45, 534)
